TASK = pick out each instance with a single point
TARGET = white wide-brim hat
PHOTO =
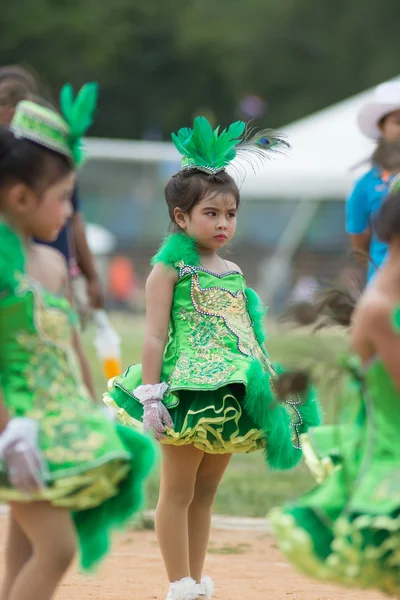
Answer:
(384, 100)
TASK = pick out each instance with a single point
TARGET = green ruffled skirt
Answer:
(347, 530)
(214, 421)
(94, 468)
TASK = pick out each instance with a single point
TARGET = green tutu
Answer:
(347, 530)
(213, 421)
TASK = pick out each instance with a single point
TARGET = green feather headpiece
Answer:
(61, 133)
(211, 151)
(78, 114)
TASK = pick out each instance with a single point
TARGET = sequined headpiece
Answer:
(61, 133)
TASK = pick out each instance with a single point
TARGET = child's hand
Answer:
(156, 418)
(21, 455)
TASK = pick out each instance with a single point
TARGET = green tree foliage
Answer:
(158, 62)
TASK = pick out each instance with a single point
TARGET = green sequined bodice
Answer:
(36, 356)
(211, 341)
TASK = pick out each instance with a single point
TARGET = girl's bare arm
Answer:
(385, 341)
(159, 294)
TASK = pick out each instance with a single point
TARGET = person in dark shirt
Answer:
(16, 84)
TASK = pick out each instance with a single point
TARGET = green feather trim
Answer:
(272, 417)
(12, 258)
(310, 409)
(257, 312)
(177, 248)
(95, 525)
(78, 114)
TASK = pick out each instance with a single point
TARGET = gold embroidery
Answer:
(232, 309)
(200, 371)
(220, 305)
(53, 323)
(52, 376)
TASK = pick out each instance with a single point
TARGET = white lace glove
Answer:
(20, 453)
(156, 417)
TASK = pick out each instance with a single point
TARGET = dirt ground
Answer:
(245, 565)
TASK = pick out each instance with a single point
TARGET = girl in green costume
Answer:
(347, 530)
(205, 386)
(66, 470)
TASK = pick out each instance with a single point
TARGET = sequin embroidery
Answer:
(224, 314)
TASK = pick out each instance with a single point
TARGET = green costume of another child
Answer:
(347, 530)
(220, 380)
(91, 467)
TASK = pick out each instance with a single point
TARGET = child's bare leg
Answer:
(52, 536)
(178, 475)
(208, 478)
(18, 552)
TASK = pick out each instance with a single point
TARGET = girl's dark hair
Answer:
(189, 186)
(21, 84)
(23, 161)
(387, 222)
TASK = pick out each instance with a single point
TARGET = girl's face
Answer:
(42, 215)
(390, 127)
(212, 222)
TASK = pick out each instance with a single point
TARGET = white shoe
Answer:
(184, 589)
(207, 587)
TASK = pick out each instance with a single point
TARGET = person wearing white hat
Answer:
(379, 119)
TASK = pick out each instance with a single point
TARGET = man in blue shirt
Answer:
(379, 119)
(362, 205)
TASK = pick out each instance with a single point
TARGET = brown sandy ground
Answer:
(245, 565)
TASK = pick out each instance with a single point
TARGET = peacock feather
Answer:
(260, 145)
(78, 113)
(212, 151)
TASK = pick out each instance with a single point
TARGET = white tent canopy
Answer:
(326, 147)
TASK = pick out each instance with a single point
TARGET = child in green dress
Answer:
(346, 530)
(67, 472)
(205, 386)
